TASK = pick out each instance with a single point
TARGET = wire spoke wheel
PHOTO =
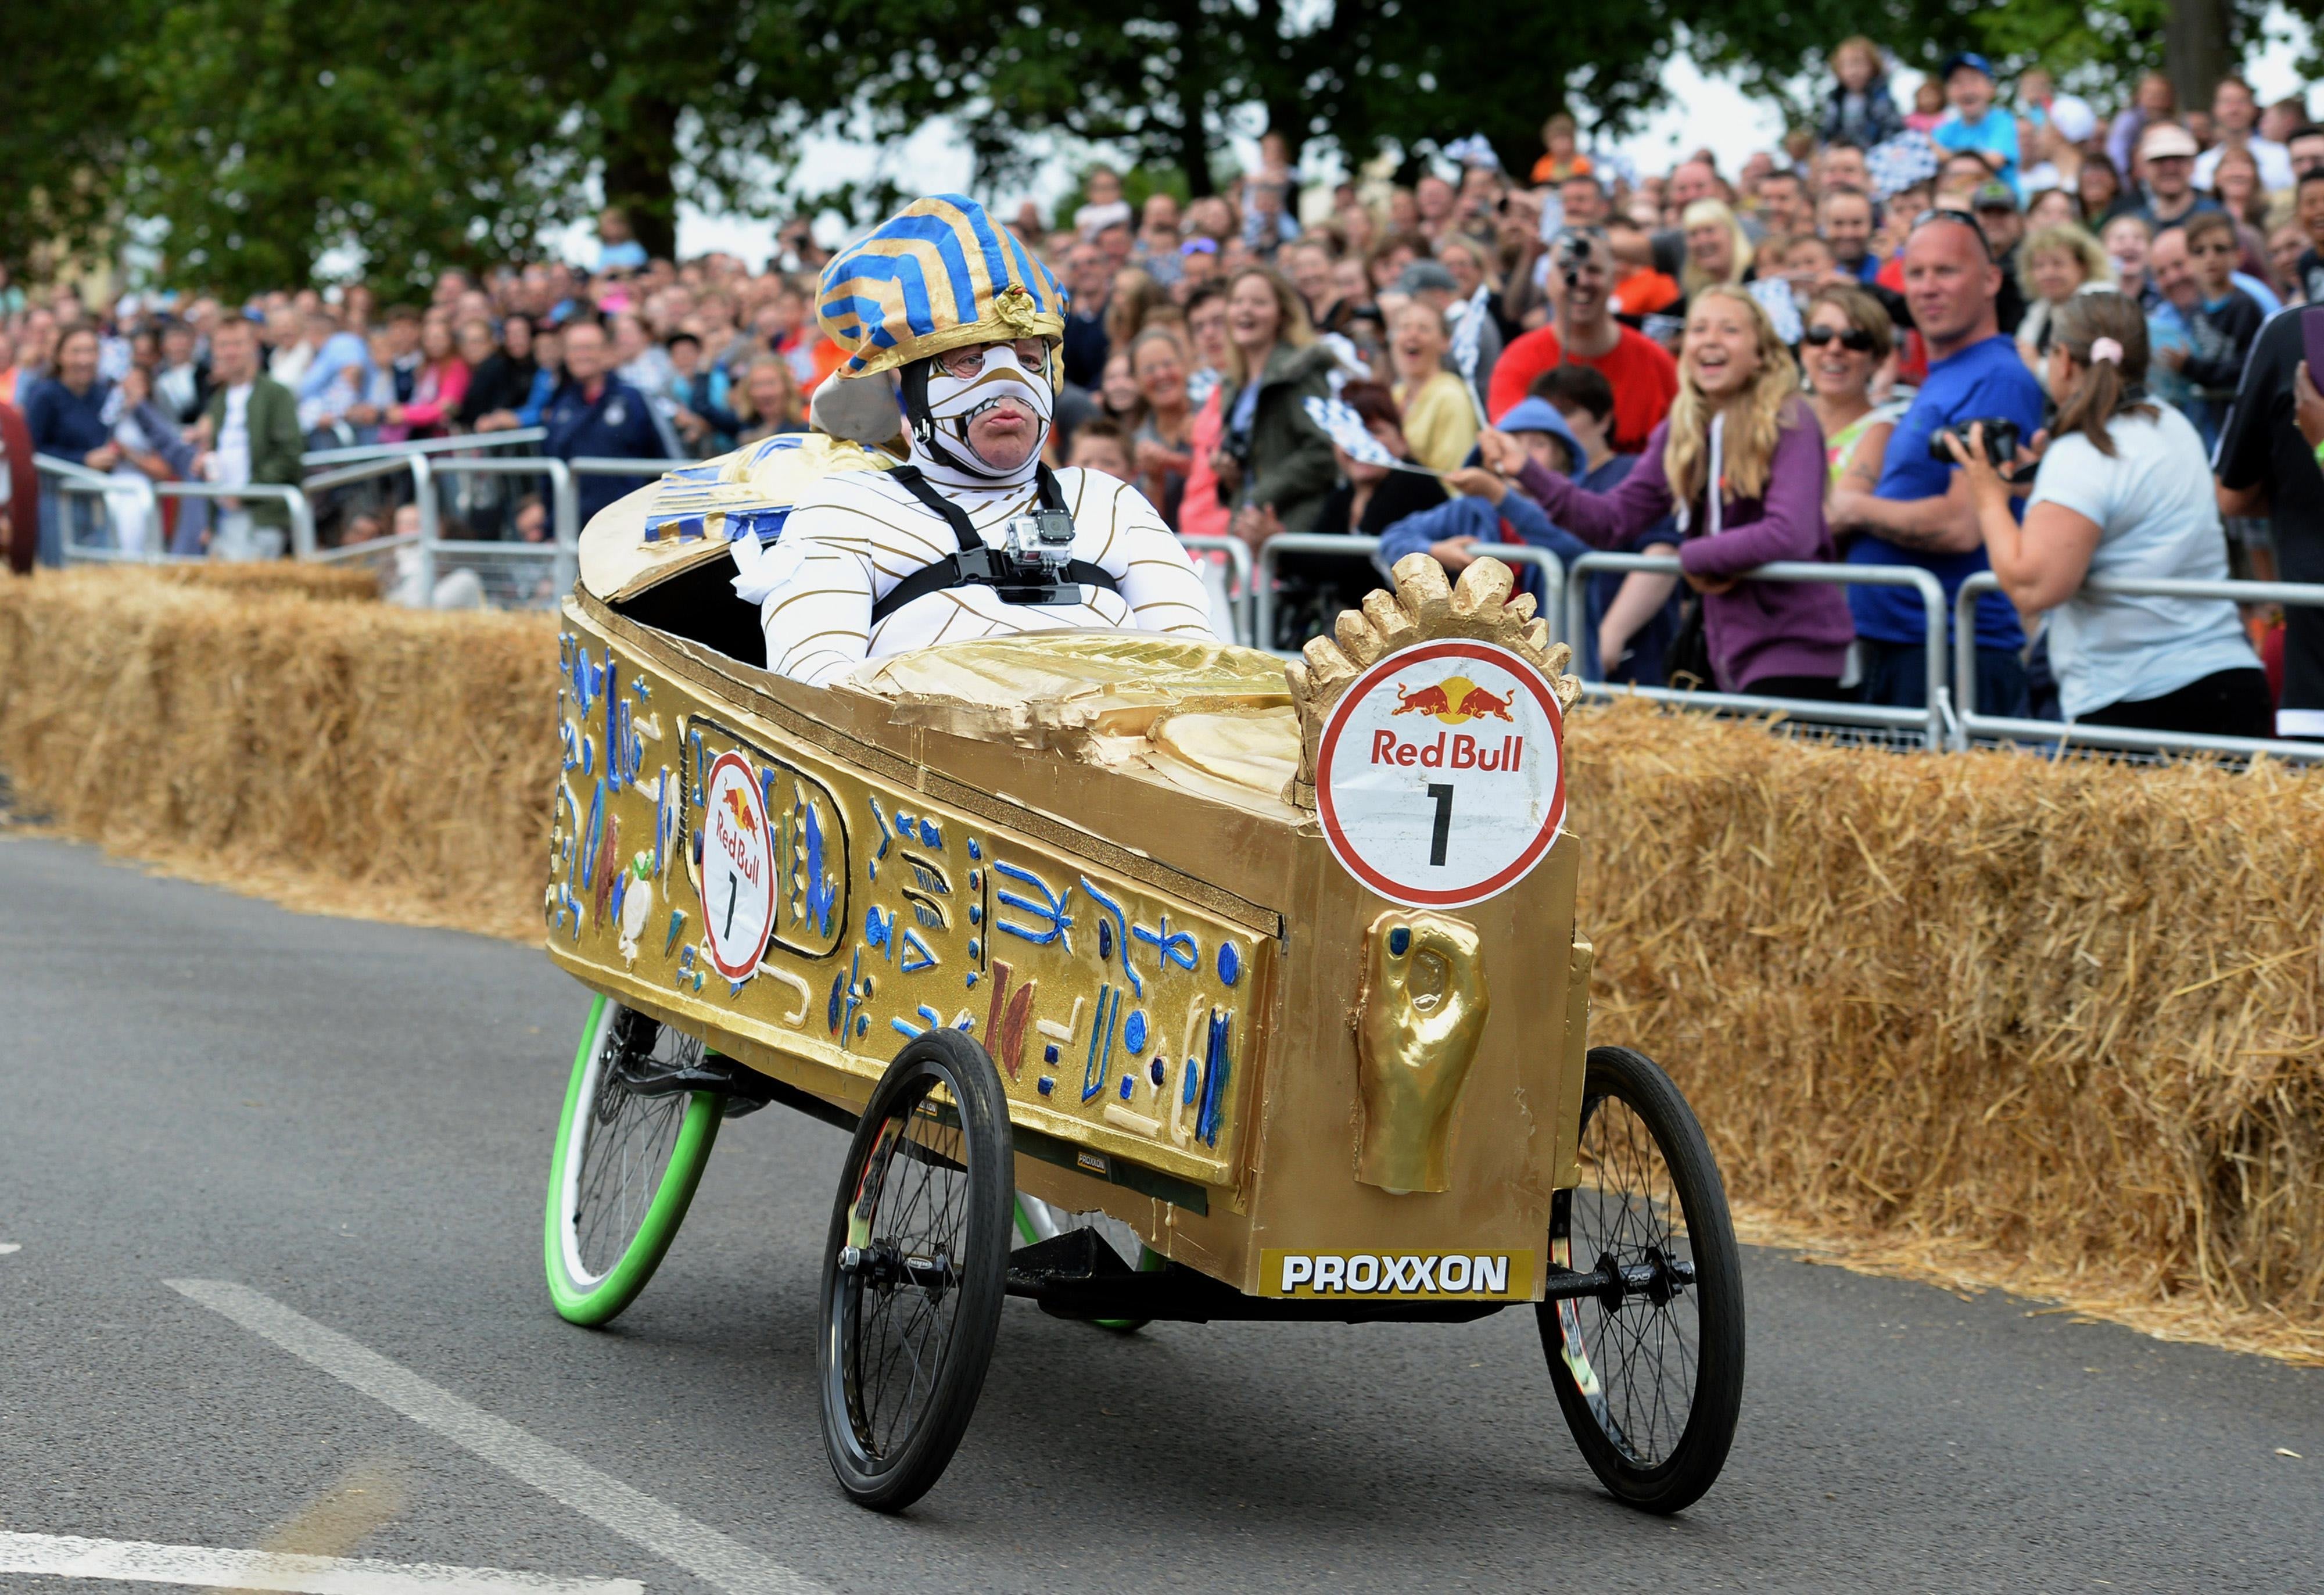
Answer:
(628, 1159)
(916, 1270)
(1650, 1372)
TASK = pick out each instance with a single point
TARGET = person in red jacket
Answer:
(1641, 372)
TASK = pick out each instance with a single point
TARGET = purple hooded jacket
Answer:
(1755, 628)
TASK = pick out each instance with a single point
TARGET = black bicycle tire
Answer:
(1694, 1463)
(963, 1068)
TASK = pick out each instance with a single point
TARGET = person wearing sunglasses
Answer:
(1845, 347)
(1902, 507)
(973, 536)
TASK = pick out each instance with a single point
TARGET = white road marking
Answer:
(8, 1246)
(715, 1558)
(67, 1555)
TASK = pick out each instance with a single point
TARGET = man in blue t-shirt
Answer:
(1907, 509)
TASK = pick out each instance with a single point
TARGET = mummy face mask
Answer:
(945, 395)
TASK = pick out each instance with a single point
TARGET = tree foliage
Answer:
(61, 114)
(258, 136)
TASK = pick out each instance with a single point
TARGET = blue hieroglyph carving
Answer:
(589, 841)
(886, 836)
(1100, 1063)
(822, 892)
(912, 954)
(1122, 929)
(1169, 946)
(1215, 1069)
(1229, 963)
(1051, 922)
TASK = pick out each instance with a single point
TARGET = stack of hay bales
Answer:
(351, 756)
(2061, 1018)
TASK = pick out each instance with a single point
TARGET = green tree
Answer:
(268, 133)
(60, 121)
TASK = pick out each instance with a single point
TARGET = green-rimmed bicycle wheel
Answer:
(626, 1163)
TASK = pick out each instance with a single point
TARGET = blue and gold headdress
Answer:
(941, 274)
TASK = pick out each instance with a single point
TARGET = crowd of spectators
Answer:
(1777, 361)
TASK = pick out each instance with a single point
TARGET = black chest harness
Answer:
(1033, 564)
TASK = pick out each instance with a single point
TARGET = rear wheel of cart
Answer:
(628, 1158)
(1650, 1377)
(915, 1270)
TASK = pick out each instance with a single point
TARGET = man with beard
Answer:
(973, 536)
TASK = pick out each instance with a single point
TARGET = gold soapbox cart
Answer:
(1051, 924)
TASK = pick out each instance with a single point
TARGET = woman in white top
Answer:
(2124, 490)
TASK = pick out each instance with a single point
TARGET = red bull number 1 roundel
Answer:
(1438, 778)
(738, 870)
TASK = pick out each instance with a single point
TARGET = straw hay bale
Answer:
(346, 583)
(356, 757)
(1979, 1017)
(2050, 1025)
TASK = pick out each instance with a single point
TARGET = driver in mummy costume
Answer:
(973, 536)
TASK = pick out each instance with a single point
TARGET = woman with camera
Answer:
(1741, 459)
(2124, 489)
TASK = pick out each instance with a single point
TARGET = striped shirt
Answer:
(856, 534)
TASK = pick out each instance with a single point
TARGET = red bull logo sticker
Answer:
(1438, 777)
(738, 870)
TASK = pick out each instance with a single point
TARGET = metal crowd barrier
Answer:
(69, 479)
(1242, 592)
(369, 451)
(1552, 572)
(1932, 722)
(384, 554)
(499, 563)
(2125, 737)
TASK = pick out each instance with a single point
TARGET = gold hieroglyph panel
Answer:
(1119, 1016)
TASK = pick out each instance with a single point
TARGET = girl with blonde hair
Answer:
(1740, 460)
(2057, 263)
(1718, 249)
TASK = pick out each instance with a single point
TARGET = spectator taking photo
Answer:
(2123, 490)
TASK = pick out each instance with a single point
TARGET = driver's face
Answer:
(1007, 429)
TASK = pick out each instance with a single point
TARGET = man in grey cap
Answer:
(2167, 152)
(2003, 227)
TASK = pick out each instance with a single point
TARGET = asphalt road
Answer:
(354, 1120)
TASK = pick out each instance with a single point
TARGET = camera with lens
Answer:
(1573, 252)
(2000, 440)
(1039, 543)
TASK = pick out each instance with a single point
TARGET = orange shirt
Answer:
(1643, 293)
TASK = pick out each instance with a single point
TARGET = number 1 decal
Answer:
(1443, 794)
(734, 884)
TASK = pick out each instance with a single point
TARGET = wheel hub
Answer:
(1659, 1279)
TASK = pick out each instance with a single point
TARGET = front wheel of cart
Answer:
(628, 1158)
(1650, 1374)
(915, 1270)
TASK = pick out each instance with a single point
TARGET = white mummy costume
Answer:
(948, 548)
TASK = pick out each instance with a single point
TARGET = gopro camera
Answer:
(1042, 540)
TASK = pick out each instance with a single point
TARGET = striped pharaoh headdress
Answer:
(940, 274)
